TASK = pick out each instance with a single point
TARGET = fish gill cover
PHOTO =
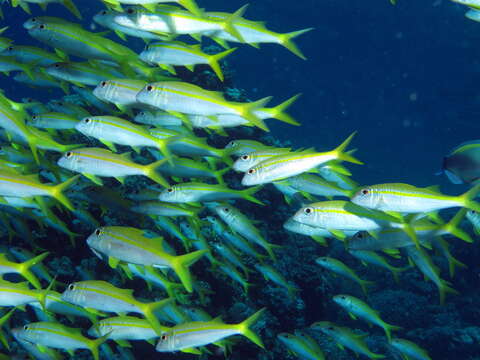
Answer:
(165, 192)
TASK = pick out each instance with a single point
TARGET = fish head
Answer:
(103, 90)
(171, 194)
(27, 333)
(307, 215)
(87, 126)
(343, 300)
(324, 326)
(367, 197)
(151, 94)
(31, 23)
(143, 116)
(69, 161)
(41, 32)
(57, 70)
(9, 51)
(285, 337)
(95, 239)
(167, 342)
(74, 294)
(253, 176)
(104, 17)
(243, 163)
(226, 212)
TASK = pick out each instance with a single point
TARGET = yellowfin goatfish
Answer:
(254, 33)
(53, 120)
(409, 349)
(23, 269)
(190, 5)
(198, 333)
(240, 224)
(291, 164)
(12, 184)
(132, 246)
(121, 328)
(356, 307)
(345, 337)
(31, 348)
(340, 268)
(111, 129)
(299, 347)
(176, 21)
(43, 4)
(405, 198)
(200, 192)
(56, 335)
(103, 296)
(182, 97)
(176, 53)
(424, 263)
(95, 162)
(462, 165)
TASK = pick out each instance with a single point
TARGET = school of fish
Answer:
(71, 161)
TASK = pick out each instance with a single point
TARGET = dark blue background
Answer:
(404, 76)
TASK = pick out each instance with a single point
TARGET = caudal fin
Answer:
(151, 172)
(3, 320)
(57, 192)
(24, 269)
(452, 227)
(244, 328)
(95, 344)
(278, 112)
(247, 194)
(181, 264)
(388, 330)
(467, 198)
(444, 289)
(214, 62)
(287, 41)
(229, 24)
(343, 155)
(72, 8)
(247, 111)
(148, 311)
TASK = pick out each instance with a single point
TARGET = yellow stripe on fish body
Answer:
(56, 335)
(175, 96)
(53, 120)
(18, 294)
(291, 164)
(124, 328)
(407, 198)
(93, 162)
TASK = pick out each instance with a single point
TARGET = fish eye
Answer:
(163, 337)
(342, 297)
(87, 120)
(245, 157)
(25, 327)
(251, 171)
(308, 210)
(98, 232)
(141, 113)
(330, 328)
(170, 190)
(69, 154)
(10, 48)
(71, 287)
(130, 11)
(104, 12)
(34, 117)
(103, 84)
(226, 210)
(57, 65)
(365, 192)
(42, 27)
(149, 88)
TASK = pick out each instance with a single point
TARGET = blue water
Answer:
(404, 77)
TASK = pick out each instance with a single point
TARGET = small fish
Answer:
(103, 296)
(197, 333)
(269, 273)
(56, 335)
(316, 185)
(291, 164)
(161, 208)
(97, 162)
(299, 347)
(53, 120)
(371, 257)
(340, 268)
(409, 349)
(424, 263)
(311, 342)
(243, 226)
(247, 161)
(121, 92)
(356, 307)
(121, 328)
(346, 338)
(242, 147)
(32, 55)
(405, 198)
(130, 245)
(193, 192)
(81, 73)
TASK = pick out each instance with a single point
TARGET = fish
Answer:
(181, 97)
(345, 337)
(409, 349)
(80, 73)
(53, 120)
(371, 257)
(122, 328)
(284, 166)
(474, 218)
(197, 333)
(98, 162)
(405, 198)
(462, 165)
(474, 4)
(130, 245)
(121, 92)
(18, 294)
(69, 4)
(31, 348)
(194, 192)
(338, 267)
(190, 5)
(240, 147)
(358, 308)
(56, 335)
(247, 161)
(316, 185)
(299, 347)
(242, 225)
(270, 273)
(103, 296)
